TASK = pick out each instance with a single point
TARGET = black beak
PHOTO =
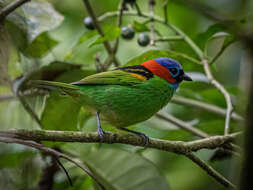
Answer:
(186, 77)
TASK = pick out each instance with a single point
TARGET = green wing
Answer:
(118, 77)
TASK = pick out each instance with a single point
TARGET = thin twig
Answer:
(29, 110)
(65, 171)
(98, 64)
(152, 23)
(210, 171)
(6, 98)
(4, 12)
(223, 91)
(119, 23)
(223, 48)
(169, 38)
(182, 124)
(19, 94)
(165, 13)
(53, 152)
(178, 31)
(101, 32)
(198, 132)
(205, 106)
(137, 9)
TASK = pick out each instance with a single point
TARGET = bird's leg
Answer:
(101, 132)
(142, 135)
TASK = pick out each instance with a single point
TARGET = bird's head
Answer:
(168, 69)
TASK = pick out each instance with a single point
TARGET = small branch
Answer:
(121, 10)
(100, 31)
(137, 9)
(205, 106)
(179, 147)
(53, 152)
(178, 31)
(71, 136)
(223, 91)
(169, 38)
(165, 13)
(210, 171)
(223, 48)
(182, 124)
(4, 12)
(65, 171)
(152, 23)
(6, 98)
(28, 108)
(98, 64)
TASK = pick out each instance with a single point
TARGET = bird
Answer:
(126, 95)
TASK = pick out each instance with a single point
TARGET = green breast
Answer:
(125, 105)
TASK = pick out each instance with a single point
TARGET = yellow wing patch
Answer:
(141, 77)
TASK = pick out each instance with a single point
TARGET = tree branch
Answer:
(169, 39)
(119, 23)
(182, 124)
(71, 136)
(165, 14)
(151, 4)
(178, 31)
(27, 137)
(51, 151)
(205, 106)
(10, 8)
(209, 170)
(101, 32)
(223, 91)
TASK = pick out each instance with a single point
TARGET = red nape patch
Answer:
(159, 70)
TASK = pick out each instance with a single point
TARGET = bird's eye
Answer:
(174, 71)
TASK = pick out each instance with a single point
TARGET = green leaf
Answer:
(35, 18)
(40, 17)
(86, 36)
(121, 170)
(203, 38)
(40, 46)
(140, 27)
(18, 35)
(184, 59)
(110, 34)
(60, 113)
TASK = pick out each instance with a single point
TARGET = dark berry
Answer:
(127, 32)
(143, 39)
(88, 23)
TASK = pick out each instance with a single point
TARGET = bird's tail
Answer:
(65, 88)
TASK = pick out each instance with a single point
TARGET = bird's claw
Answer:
(145, 139)
(101, 134)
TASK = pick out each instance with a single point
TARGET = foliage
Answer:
(48, 41)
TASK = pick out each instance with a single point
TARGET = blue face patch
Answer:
(170, 64)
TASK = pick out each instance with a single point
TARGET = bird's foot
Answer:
(142, 135)
(145, 139)
(102, 133)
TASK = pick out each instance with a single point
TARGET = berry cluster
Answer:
(127, 32)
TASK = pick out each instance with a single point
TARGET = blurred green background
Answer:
(43, 37)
